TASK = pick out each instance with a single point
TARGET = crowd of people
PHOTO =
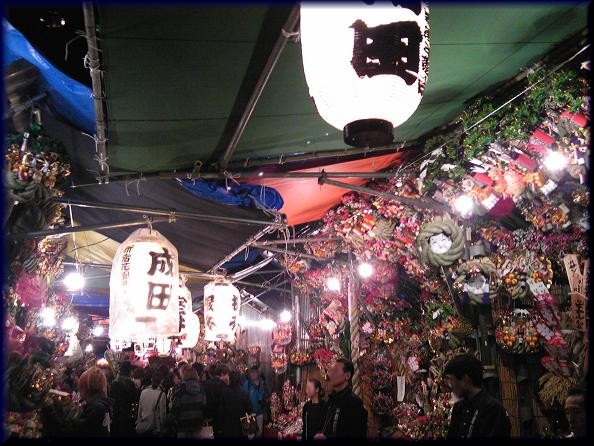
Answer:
(187, 401)
(191, 401)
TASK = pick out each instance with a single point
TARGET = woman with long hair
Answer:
(152, 408)
(314, 411)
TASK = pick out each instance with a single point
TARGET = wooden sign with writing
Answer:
(572, 267)
(578, 311)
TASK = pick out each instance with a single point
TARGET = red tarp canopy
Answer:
(305, 200)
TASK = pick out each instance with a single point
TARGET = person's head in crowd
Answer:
(314, 389)
(92, 384)
(223, 373)
(188, 373)
(254, 374)
(176, 376)
(575, 411)
(138, 377)
(234, 379)
(341, 373)
(199, 367)
(125, 368)
(465, 375)
(155, 378)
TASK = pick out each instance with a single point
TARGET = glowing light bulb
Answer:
(365, 270)
(98, 330)
(70, 324)
(555, 161)
(48, 317)
(285, 316)
(333, 284)
(74, 281)
(463, 205)
(89, 348)
(267, 324)
(261, 174)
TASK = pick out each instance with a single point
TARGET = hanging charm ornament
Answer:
(515, 332)
(474, 281)
(440, 242)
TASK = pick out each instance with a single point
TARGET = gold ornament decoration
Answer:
(440, 242)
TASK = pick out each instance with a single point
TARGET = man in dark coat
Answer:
(346, 416)
(187, 410)
(214, 391)
(124, 394)
(477, 414)
(235, 404)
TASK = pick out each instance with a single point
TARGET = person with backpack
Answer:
(152, 409)
(125, 397)
(256, 388)
(188, 406)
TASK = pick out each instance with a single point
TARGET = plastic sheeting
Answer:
(248, 195)
(305, 200)
(72, 99)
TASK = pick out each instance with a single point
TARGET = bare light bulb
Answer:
(70, 324)
(333, 284)
(285, 316)
(98, 330)
(365, 270)
(48, 317)
(267, 324)
(89, 348)
(74, 281)
(463, 205)
(555, 161)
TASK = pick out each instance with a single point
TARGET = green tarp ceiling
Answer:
(177, 76)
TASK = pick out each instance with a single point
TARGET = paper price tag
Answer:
(537, 287)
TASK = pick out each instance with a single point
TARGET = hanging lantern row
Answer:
(366, 66)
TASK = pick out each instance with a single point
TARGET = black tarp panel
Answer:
(201, 244)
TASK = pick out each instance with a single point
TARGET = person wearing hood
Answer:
(95, 418)
(189, 404)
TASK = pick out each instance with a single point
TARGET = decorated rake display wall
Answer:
(500, 271)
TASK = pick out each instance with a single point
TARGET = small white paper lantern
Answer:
(222, 302)
(189, 323)
(366, 65)
(143, 288)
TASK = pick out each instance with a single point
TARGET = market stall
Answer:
(469, 234)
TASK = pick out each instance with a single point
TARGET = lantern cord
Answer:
(149, 222)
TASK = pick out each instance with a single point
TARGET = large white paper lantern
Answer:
(366, 65)
(222, 302)
(143, 288)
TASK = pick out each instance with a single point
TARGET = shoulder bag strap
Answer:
(157, 415)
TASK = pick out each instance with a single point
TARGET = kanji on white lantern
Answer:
(222, 302)
(189, 323)
(143, 288)
(366, 66)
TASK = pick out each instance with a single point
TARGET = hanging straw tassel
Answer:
(354, 316)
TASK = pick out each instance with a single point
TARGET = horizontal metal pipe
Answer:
(258, 285)
(72, 230)
(299, 240)
(163, 212)
(413, 202)
(240, 175)
(293, 253)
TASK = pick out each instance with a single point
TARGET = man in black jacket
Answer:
(477, 414)
(346, 416)
(213, 389)
(125, 398)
